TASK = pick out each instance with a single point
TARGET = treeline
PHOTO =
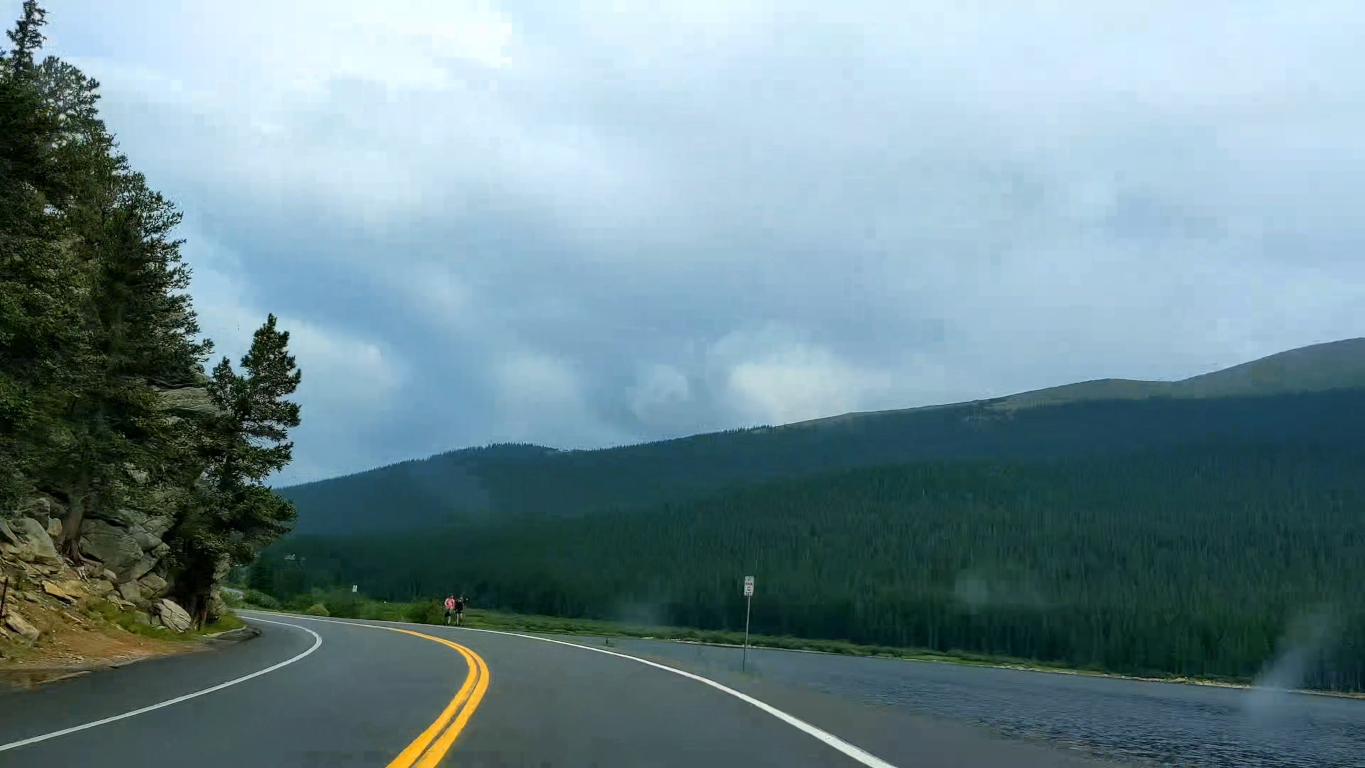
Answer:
(1207, 560)
(96, 328)
(534, 481)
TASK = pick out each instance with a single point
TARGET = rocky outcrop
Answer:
(41, 507)
(69, 592)
(130, 591)
(30, 542)
(19, 626)
(115, 548)
(185, 401)
(125, 540)
(172, 616)
(154, 586)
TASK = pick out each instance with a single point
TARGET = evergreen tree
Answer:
(234, 513)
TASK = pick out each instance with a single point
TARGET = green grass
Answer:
(107, 611)
(349, 605)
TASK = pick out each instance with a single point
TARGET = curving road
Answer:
(320, 692)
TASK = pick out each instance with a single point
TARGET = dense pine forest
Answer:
(116, 445)
(529, 480)
(1203, 560)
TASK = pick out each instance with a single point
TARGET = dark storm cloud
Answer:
(583, 225)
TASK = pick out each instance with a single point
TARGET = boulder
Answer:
(100, 587)
(129, 591)
(124, 516)
(7, 534)
(186, 400)
(68, 592)
(109, 576)
(113, 546)
(173, 616)
(40, 507)
(20, 627)
(36, 546)
(143, 618)
(153, 586)
(54, 528)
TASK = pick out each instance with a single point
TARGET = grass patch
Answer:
(345, 604)
(130, 621)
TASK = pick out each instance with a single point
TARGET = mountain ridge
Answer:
(1293, 394)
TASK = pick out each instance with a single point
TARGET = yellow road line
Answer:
(476, 680)
(428, 748)
(437, 751)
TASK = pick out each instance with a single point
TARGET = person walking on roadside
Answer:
(450, 607)
(459, 609)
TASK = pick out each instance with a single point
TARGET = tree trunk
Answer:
(71, 525)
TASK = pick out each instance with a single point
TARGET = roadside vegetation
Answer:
(338, 604)
(114, 438)
(1213, 561)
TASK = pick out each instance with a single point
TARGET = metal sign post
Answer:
(749, 604)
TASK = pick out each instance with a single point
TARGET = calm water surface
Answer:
(1128, 720)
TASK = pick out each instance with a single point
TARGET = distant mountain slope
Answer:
(1315, 368)
(1192, 560)
(1315, 393)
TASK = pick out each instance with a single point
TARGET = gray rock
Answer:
(138, 476)
(147, 541)
(22, 628)
(158, 525)
(189, 400)
(35, 542)
(109, 575)
(153, 585)
(112, 546)
(40, 507)
(143, 618)
(100, 588)
(129, 591)
(7, 533)
(54, 528)
(144, 567)
(173, 616)
(124, 516)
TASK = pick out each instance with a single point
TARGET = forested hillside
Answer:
(124, 468)
(1194, 561)
(528, 480)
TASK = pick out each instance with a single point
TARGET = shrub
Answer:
(429, 612)
(344, 604)
(317, 609)
(260, 599)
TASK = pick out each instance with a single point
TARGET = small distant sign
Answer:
(748, 586)
(355, 587)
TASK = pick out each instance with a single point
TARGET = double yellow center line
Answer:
(427, 749)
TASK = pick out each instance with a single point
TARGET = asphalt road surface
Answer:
(320, 692)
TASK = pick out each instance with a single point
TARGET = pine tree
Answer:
(235, 514)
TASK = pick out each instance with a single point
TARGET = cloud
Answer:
(582, 224)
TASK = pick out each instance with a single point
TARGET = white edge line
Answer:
(861, 755)
(317, 641)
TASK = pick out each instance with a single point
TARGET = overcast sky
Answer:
(580, 226)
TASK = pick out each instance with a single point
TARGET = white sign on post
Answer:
(355, 587)
(748, 586)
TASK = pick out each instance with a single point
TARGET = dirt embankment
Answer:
(58, 621)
